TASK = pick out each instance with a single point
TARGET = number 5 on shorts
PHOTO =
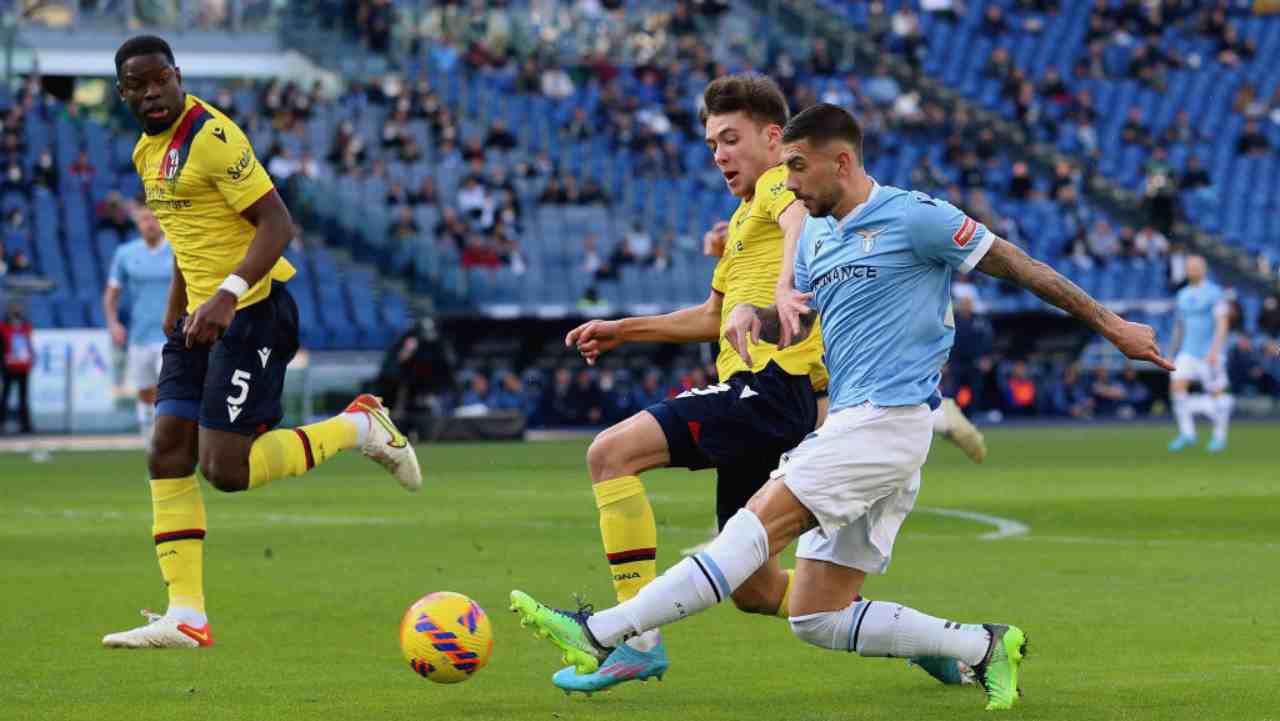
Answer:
(239, 379)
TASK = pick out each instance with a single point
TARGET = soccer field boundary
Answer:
(1005, 527)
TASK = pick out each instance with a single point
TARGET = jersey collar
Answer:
(857, 210)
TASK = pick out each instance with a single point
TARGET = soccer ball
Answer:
(446, 637)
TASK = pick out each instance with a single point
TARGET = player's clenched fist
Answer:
(594, 337)
(713, 240)
(210, 320)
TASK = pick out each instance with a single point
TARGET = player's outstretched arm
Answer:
(688, 325)
(1006, 261)
(749, 324)
(274, 231)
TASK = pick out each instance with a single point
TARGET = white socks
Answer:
(361, 421)
(692, 585)
(940, 424)
(884, 628)
(1182, 413)
(189, 616)
(1222, 416)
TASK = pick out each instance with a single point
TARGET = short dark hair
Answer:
(822, 124)
(143, 45)
(756, 95)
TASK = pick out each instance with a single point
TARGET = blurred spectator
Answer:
(397, 195)
(113, 213)
(1150, 243)
(500, 138)
(591, 265)
(404, 229)
(508, 250)
(1252, 141)
(475, 202)
(416, 371)
(881, 88)
(509, 395)
(948, 10)
(1159, 193)
(476, 398)
(579, 126)
(479, 253)
(1246, 370)
(1068, 396)
(426, 193)
(1019, 391)
(282, 165)
(1195, 176)
(1182, 131)
(640, 242)
(1107, 395)
(972, 357)
(1103, 243)
(1137, 400)
(926, 176)
(1020, 185)
(18, 354)
(993, 21)
(45, 172)
(1247, 103)
(588, 400)
(15, 178)
(82, 170)
(1269, 318)
(905, 26)
(1134, 132)
(451, 230)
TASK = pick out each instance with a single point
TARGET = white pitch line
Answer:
(1005, 527)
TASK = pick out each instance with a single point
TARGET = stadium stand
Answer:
(509, 168)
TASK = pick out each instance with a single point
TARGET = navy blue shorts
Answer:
(741, 428)
(237, 383)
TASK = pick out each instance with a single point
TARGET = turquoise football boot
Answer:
(1181, 442)
(624, 664)
(947, 670)
(1217, 445)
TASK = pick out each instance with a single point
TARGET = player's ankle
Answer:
(188, 615)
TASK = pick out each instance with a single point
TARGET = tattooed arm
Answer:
(1006, 261)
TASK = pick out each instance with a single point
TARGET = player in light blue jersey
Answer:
(141, 271)
(1200, 352)
(877, 264)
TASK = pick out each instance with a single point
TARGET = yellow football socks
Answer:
(784, 608)
(294, 451)
(630, 534)
(178, 526)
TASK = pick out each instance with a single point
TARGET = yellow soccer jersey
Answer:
(199, 175)
(748, 273)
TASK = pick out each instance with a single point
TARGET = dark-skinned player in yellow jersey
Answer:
(231, 329)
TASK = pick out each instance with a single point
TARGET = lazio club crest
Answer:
(869, 238)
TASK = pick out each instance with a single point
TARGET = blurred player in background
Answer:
(1200, 352)
(141, 270)
(231, 328)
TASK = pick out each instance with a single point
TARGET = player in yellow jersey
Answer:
(231, 329)
(742, 425)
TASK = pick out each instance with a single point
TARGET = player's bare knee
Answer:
(168, 456)
(224, 476)
(606, 456)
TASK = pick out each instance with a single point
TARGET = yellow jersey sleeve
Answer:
(772, 191)
(718, 276)
(222, 152)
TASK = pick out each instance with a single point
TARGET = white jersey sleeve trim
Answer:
(971, 261)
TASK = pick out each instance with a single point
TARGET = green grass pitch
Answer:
(1149, 584)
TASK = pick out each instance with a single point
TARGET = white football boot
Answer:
(385, 444)
(963, 433)
(160, 632)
